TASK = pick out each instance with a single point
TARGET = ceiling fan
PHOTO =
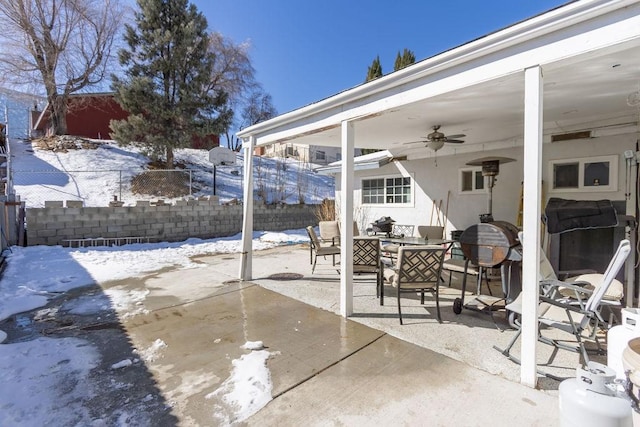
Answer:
(436, 139)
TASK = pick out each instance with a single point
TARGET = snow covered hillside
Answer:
(96, 171)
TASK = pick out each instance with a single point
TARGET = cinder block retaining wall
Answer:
(171, 223)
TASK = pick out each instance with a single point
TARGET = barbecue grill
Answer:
(491, 245)
(382, 225)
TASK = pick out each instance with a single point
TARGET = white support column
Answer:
(247, 214)
(632, 235)
(346, 219)
(533, 98)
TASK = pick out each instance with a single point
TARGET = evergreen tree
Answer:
(407, 58)
(375, 70)
(166, 86)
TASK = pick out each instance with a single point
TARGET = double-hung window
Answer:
(388, 190)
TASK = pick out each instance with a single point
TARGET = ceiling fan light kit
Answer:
(436, 139)
(435, 145)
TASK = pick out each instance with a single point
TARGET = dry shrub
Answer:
(159, 183)
(326, 211)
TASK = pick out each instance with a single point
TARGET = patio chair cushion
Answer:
(328, 250)
(391, 248)
(391, 276)
(329, 231)
(516, 306)
(615, 292)
(430, 231)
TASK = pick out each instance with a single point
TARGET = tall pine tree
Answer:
(166, 83)
(375, 70)
(407, 58)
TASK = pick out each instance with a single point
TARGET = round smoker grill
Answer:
(489, 244)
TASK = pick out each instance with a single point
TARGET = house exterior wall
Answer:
(198, 218)
(311, 154)
(439, 183)
(15, 107)
(90, 116)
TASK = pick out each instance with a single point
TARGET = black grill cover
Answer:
(564, 215)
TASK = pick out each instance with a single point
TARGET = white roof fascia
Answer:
(365, 162)
(300, 121)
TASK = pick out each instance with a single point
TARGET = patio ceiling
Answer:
(582, 91)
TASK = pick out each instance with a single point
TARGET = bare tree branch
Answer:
(61, 46)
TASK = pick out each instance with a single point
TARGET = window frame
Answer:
(474, 170)
(386, 195)
(613, 161)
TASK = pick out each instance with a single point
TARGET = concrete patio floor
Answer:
(189, 328)
(468, 337)
(333, 371)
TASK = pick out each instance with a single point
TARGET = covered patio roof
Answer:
(589, 54)
(576, 67)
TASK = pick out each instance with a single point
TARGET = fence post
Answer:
(3, 225)
(22, 212)
(9, 220)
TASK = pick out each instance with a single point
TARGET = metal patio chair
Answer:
(316, 249)
(366, 259)
(431, 231)
(400, 230)
(418, 270)
(582, 308)
(329, 232)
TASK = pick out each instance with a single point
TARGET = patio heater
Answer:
(490, 169)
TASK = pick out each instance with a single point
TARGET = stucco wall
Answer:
(202, 219)
(433, 180)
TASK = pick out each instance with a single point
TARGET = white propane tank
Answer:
(619, 336)
(631, 364)
(591, 399)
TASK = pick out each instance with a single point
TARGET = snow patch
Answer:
(246, 391)
(122, 364)
(153, 353)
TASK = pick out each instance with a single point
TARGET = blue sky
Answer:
(304, 51)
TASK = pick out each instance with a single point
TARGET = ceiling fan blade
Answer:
(454, 141)
(456, 136)
(414, 142)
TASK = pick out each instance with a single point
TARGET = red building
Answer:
(88, 115)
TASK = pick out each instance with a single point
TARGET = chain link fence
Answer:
(275, 182)
(99, 187)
